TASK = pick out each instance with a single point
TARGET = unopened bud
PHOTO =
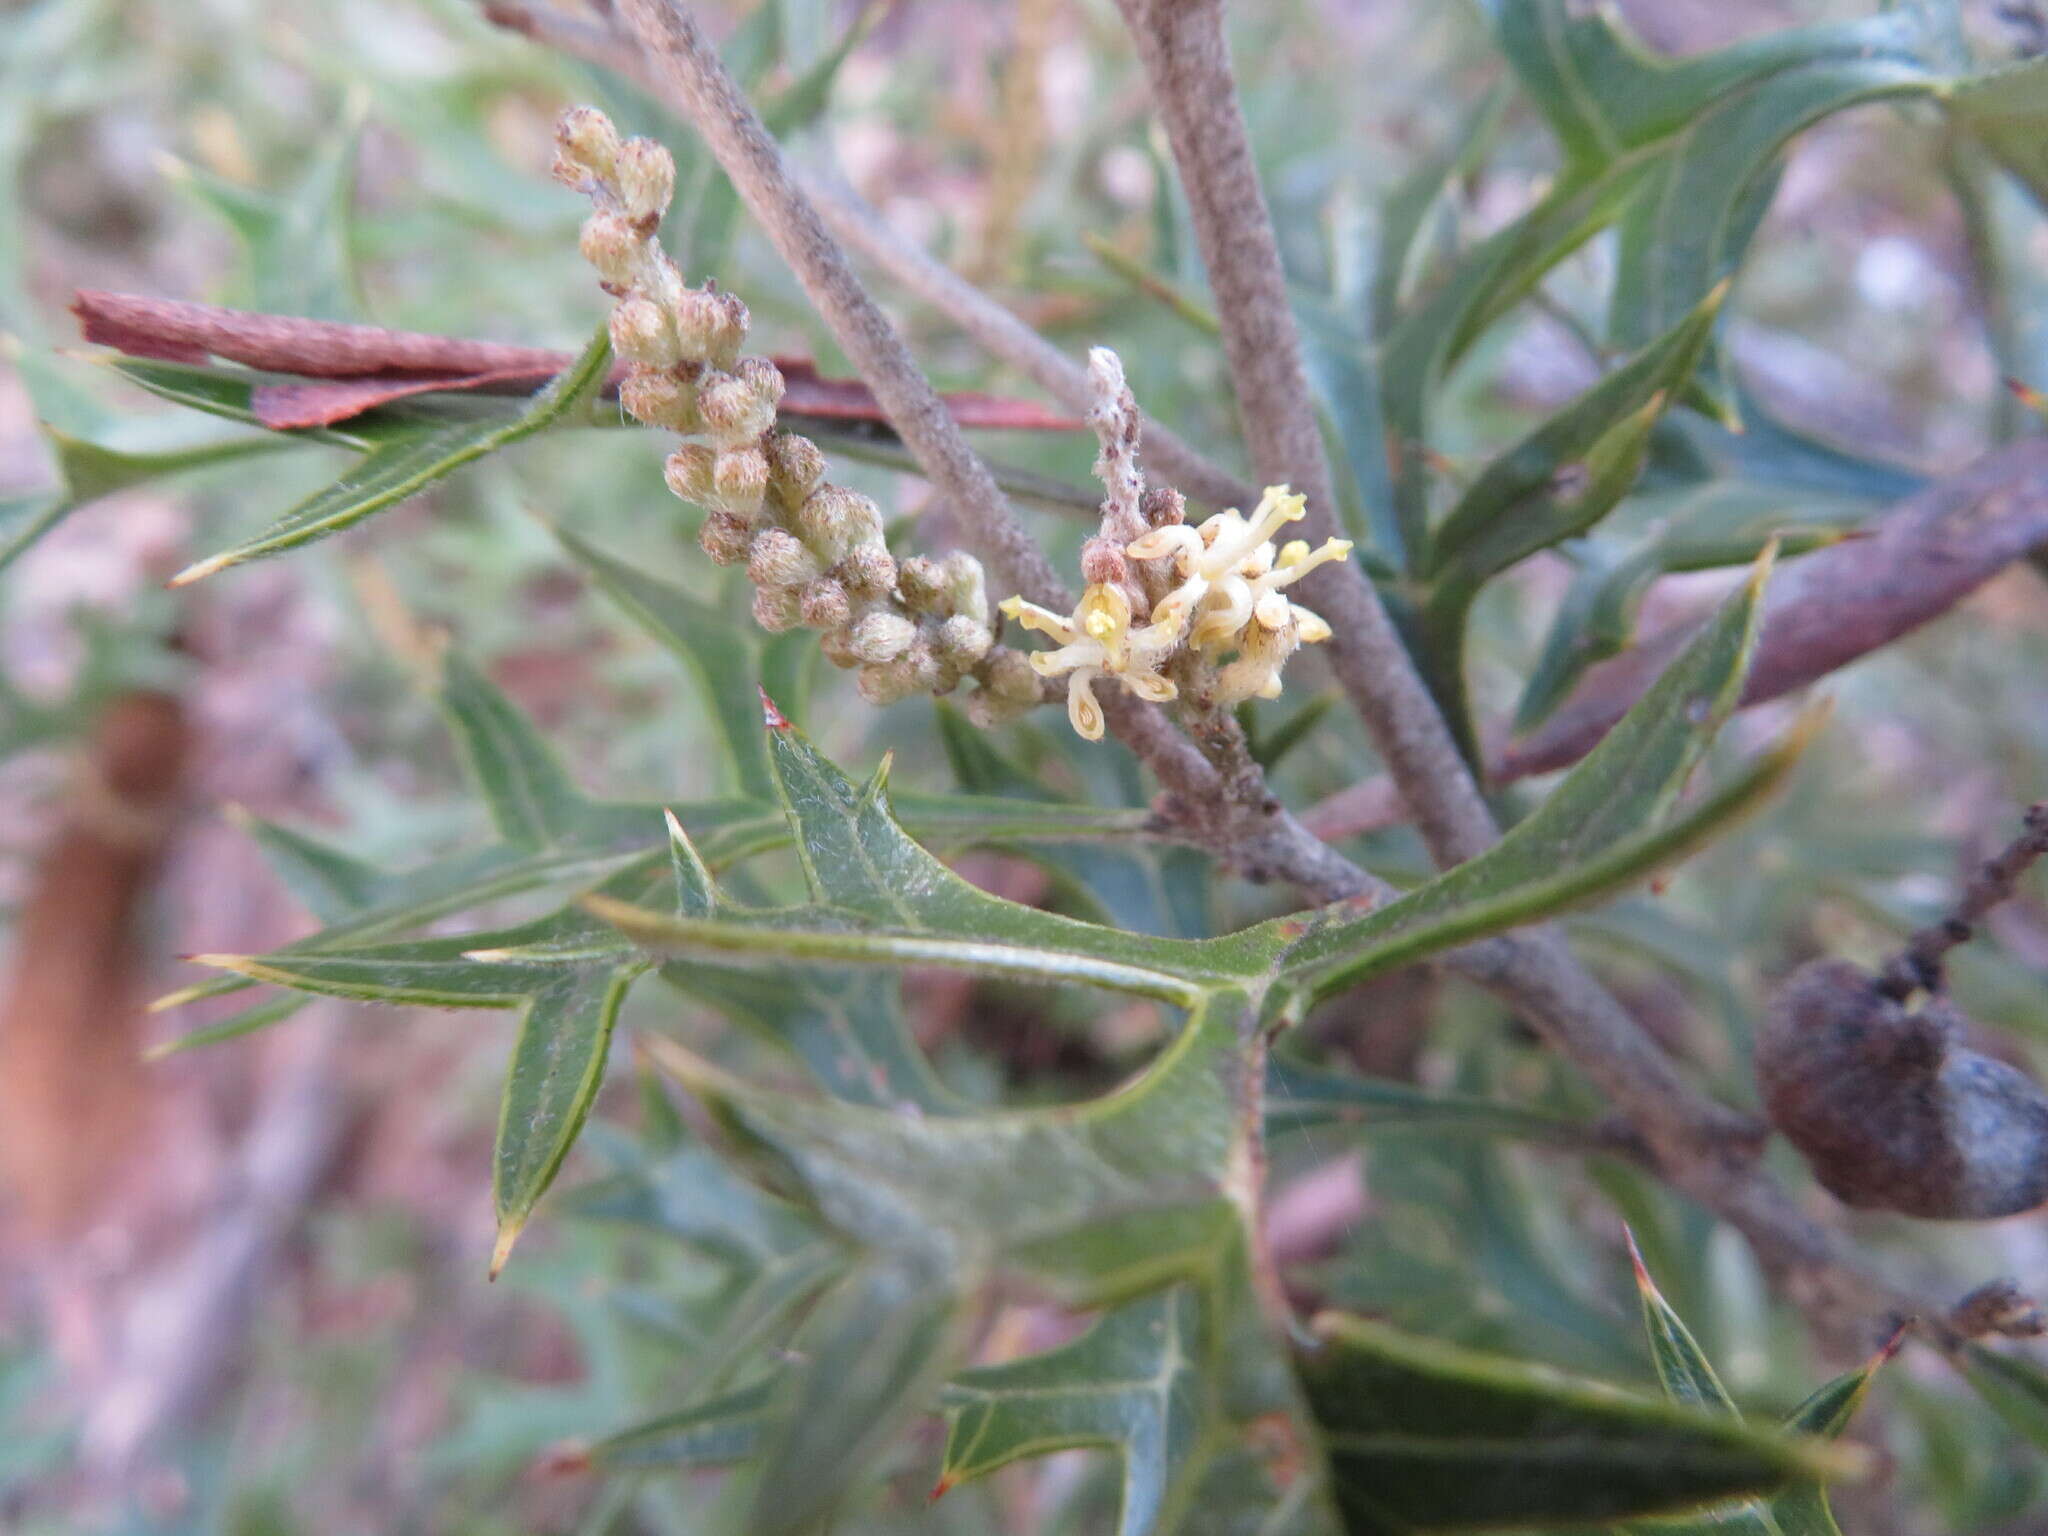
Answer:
(826, 605)
(585, 145)
(778, 559)
(713, 326)
(795, 467)
(726, 538)
(641, 334)
(660, 400)
(925, 668)
(964, 640)
(688, 472)
(761, 376)
(966, 585)
(869, 571)
(741, 478)
(775, 609)
(885, 682)
(1163, 506)
(882, 636)
(646, 177)
(611, 245)
(922, 581)
(1007, 674)
(734, 411)
(834, 520)
(837, 645)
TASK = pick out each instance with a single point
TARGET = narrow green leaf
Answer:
(557, 1068)
(404, 466)
(2007, 112)
(871, 1356)
(720, 655)
(1802, 1510)
(1303, 1097)
(1682, 1366)
(731, 1427)
(532, 800)
(1132, 1384)
(1424, 1436)
(2014, 1385)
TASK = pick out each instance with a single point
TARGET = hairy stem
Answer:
(1187, 62)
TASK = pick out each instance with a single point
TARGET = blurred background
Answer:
(242, 1289)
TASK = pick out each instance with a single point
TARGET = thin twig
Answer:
(1003, 336)
(1187, 63)
(1918, 967)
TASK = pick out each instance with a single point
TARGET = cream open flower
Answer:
(1230, 589)
(1229, 600)
(1098, 639)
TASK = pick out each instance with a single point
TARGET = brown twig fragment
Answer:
(1918, 967)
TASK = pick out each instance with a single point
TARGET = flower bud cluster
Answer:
(1223, 602)
(814, 551)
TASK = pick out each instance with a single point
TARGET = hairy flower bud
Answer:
(726, 538)
(611, 245)
(778, 559)
(741, 478)
(660, 400)
(1008, 675)
(734, 411)
(964, 640)
(882, 636)
(761, 376)
(834, 520)
(776, 609)
(795, 468)
(713, 326)
(646, 177)
(688, 472)
(885, 682)
(641, 334)
(926, 669)
(869, 570)
(826, 605)
(585, 146)
(922, 581)
(837, 645)
(966, 586)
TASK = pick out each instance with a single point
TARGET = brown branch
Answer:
(1003, 336)
(1826, 610)
(1831, 607)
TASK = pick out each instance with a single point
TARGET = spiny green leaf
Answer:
(1055, 1190)
(1802, 1510)
(1424, 1436)
(404, 466)
(1132, 1383)
(906, 907)
(1598, 830)
(532, 800)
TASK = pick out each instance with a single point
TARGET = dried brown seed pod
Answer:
(1890, 1109)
